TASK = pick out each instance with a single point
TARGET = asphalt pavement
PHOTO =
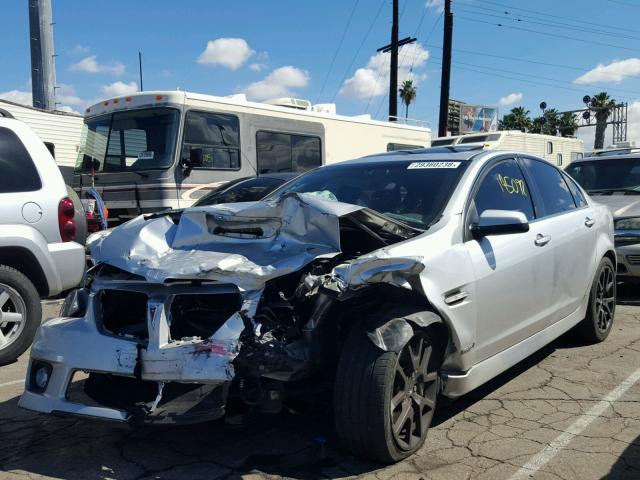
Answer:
(570, 411)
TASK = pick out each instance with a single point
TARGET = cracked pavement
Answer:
(488, 434)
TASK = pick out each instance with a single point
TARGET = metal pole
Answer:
(43, 73)
(393, 73)
(446, 69)
(140, 66)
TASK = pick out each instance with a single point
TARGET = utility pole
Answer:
(446, 69)
(140, 67)
(43, 71)
(393, 72)
(393, 77)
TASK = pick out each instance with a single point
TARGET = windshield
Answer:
(131, 140)
(414, 193)
(607, 176)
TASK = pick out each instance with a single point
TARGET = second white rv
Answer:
(560, 151)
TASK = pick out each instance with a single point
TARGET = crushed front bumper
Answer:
(155, 380)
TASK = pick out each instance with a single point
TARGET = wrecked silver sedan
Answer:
(395, 278)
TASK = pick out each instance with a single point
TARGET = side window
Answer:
(559, 159)
(578, 197)
(19, 174)
(549, 148)
(51, 147)
(215, 138)
(504, 188)
(282, 152)
(556, 197)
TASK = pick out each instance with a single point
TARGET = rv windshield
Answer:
(129, 141)
(607, 176)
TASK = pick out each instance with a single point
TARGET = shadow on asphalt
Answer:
(628, 464)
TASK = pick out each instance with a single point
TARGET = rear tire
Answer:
(602, 305)
(384, 401)
(20, 313)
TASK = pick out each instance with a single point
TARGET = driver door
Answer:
(513, 272)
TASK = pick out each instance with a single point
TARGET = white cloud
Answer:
(17, 96)
(437, 5)
(613, 72)
(90, 65)
(278, 83)
(510, 99)
(117, 89)
(79, 50)
(373, 79)
(257, 67)
(66, 95)
(228, 52)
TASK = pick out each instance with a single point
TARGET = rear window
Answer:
(19, 174)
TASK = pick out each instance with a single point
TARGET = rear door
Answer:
(569, 223)
(513, 273)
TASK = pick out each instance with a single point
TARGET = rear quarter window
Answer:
(17, 171)
(554, 191)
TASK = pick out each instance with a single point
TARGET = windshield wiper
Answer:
(605, 191)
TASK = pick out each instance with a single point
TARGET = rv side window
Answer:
(394, 147)
(559, 159)
(549, 148)
(282, 152)
(212, 140)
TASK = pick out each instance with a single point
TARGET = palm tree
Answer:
(601, 105)
(408, 94)
(567, 124)
(548, 123)
(517, 119)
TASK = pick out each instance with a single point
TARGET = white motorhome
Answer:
(60, 132)
(153, 150)
(560, 151)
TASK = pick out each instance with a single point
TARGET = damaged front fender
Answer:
(392, 334)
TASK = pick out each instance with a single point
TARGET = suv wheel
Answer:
(20, 313)
(602, 305)
(384, 401)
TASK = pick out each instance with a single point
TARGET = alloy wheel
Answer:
(13, 313)
(605, 298)
(413, 397)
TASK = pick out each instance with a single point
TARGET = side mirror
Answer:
(499, 222)
(194, 161)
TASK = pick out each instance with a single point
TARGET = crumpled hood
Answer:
(620, 205)
(246, 244)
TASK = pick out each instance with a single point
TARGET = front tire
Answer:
(20, 313)
(602, 305)
(384, 401)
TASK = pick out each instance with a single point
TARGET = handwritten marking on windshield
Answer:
(512, 186)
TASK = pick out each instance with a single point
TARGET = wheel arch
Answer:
(25, 262)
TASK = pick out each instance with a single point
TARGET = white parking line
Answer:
(562, 440)
(15, 382)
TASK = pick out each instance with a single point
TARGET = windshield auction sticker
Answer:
(433, 165)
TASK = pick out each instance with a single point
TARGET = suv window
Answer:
(217, 136)
(19, 174)
(504, 188)
(553, 189)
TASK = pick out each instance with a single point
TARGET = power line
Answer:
(539, 32)
(364, 39)
(625, 3)
(516, 59)
(344, 33)
(548, 23)
(546, 15)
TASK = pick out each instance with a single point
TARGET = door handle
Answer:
(542, 240)
(589, 222)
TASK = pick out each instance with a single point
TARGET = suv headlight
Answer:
(628, 224)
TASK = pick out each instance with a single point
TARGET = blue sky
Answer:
(274, 47)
